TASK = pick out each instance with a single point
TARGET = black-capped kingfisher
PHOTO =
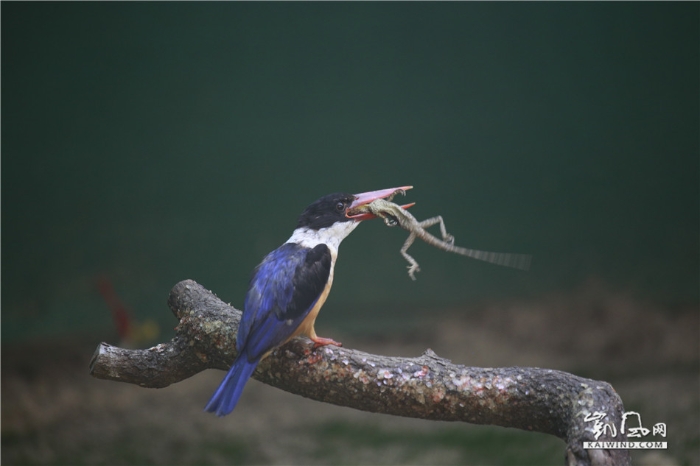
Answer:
(289, 287)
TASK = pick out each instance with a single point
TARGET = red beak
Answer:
(366, 198)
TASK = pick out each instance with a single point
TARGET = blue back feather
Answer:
(284, 288)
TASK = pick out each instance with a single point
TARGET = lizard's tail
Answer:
(517, 261)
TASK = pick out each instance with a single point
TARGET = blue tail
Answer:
(226, 396)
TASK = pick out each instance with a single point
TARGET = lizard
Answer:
(394, 214)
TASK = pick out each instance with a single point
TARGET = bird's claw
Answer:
(319, 341)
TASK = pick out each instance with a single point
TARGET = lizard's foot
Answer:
(449, 239)
(390, 221)
(319, 341)
(390, 197)
(412, 269)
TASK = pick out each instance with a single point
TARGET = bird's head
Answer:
(334, 208)
(328, 219)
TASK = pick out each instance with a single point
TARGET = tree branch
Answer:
(427, 387)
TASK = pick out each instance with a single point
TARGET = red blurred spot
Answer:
(120, 312)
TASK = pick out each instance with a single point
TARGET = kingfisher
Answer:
(288, 288)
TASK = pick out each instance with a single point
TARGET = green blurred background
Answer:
(153, 142)
(156, 142)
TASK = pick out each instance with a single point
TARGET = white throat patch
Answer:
(331, 236)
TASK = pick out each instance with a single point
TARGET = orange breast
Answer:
(307, 325)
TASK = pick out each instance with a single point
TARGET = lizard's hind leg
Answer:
(414, 267)
(446, 237)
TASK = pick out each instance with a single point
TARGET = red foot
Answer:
(318, 342)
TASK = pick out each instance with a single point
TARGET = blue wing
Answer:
(283, 289)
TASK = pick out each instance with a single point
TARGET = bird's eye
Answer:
(340, 206)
